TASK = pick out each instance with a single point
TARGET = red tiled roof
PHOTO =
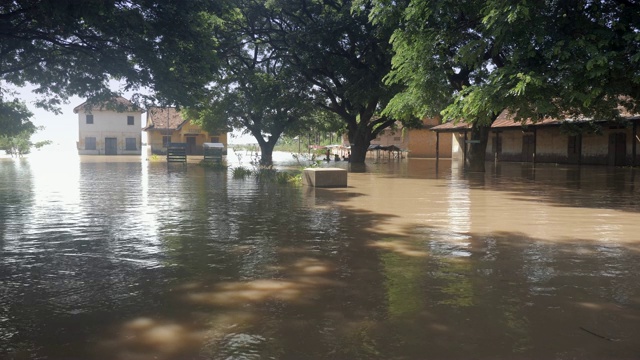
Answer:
(163, 118)
(116, 103)
(506, 120)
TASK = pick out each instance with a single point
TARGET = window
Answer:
(89, 119)
(166, 140)
(130, 144)
(89, 143)
(130, 120)
(215, 139)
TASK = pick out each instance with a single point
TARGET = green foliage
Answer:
(15, 118)
(21, 144)
(70, 47)
(254, 91)
(241, 172)
(265, 174)
(340, 56)
(471, 60)
(268, 174)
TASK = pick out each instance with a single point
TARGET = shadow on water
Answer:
(152, 262)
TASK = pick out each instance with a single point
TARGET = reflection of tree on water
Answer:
(16, 195)
(261, 276)
(16, 200)
(233, 268)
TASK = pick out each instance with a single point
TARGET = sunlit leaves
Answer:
(14, 118)
(470, 59)
(66, 47)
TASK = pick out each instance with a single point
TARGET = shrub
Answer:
(241, 172)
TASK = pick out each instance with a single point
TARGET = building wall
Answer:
(552, 146)
(511, 145)
(457, 147)
(109, 124)
(422, 144)
(613, 147)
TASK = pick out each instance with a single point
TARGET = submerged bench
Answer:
(325, 177)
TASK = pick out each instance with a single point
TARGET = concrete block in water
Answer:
(325, 177)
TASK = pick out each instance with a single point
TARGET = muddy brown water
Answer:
(130, 259)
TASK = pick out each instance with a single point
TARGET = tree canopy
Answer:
(469, 61)
(253, 91)
(342, 57)
(261, 97)
(73, 47)
(15, 118)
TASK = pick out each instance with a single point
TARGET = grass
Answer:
(267, 174)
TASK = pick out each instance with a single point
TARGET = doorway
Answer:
(528, 147)
(574, 149)
(191, 145)
(110, 146)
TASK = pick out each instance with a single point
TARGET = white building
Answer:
(113, 128)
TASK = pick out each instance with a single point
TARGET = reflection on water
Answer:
(122, 258)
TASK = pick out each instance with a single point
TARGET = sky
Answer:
(62, 129)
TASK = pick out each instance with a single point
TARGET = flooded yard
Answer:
(131, 259)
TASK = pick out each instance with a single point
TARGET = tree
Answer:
(73, 47)
(258, 95)
(14, 118)
(16, 129)
(21, 143)
(342, 57)
(469, 61)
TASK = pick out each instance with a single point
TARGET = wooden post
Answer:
(464, 150)
(495, 150)
(535, 140)
(634, 142)
(437, 146)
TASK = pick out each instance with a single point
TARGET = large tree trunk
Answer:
(360, 141)
(477, 148)
(266, 153)
(266, 147)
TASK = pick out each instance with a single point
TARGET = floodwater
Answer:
(104, 258)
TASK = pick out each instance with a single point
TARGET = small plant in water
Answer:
(305, 160)
(265, 174)
(292, 178)
(241, 172)
(214, 165)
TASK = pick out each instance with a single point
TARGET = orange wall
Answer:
(154, 137)
(422, 142)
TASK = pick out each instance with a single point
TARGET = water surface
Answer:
(122, 258)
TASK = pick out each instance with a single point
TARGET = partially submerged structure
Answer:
(424, 143)
(166, 126)
(109, 128)
(570, 141)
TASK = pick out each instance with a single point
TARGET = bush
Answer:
(241, 172)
